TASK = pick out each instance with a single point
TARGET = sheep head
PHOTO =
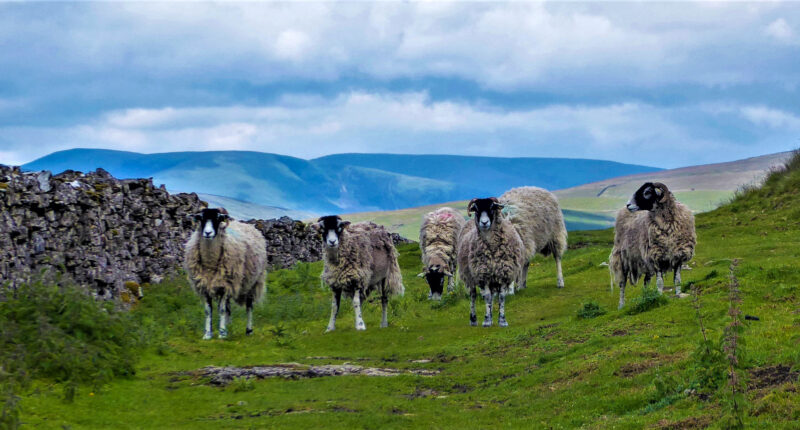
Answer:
(212, 222)
(487, 211)
(648, 196)
(331, 228)
(434, 275)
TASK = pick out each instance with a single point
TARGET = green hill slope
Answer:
(549, 369)
(593, 206)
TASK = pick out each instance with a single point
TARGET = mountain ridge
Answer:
(337, 183)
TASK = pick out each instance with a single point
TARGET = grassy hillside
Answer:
(594, 206)
(549, 369)
(702, 188)
(407, 221)
(337, 183)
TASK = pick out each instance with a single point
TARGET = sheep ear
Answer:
(223, 216)
(344, 224)
(499, 206)
(421, 275)
(471, 206)
(447, 273)
(194, 217)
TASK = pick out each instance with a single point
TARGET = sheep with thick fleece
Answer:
(226, 259)
(536, 215)
(359, 258)
(628, 260)
(438, 236)
(490, 257)
(657, 236)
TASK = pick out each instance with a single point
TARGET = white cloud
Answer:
(773, 118)
(497, 45)
(780, 30)
(406, 123)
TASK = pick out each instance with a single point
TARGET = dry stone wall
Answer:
(112, 235)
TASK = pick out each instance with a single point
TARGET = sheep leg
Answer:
(622, 291)
(224, 316)
(647, 279)
(249, 306)
(660, 282)
(473, 317)
(209, 332)
(335, 300)
(559, 274)
(487, 297)
(501, 317)
(384, 306)
(451, 284)
(523, 281)
(677, 279)
(357, 308)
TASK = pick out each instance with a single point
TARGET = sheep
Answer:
(358, 258)
(226, 259)
(491, 255)
(438, 236)
(538, 219)
(659, 238)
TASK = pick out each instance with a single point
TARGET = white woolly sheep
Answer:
(538, 219)
(653, 235)
(438, 237)
(359, 258)
(226, 259)
(490, 256)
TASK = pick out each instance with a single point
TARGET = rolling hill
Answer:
(337, 183)
(594, 205)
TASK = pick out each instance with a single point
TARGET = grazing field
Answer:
(633, 368)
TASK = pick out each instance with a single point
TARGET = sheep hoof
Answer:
(502, 323)
(473, 321)
(621, 305)
(361, 327)
(487, 323)
(223, 334)
(330, 329)
(436, 297)
(208, 335)
(249, 332)
(384, 325)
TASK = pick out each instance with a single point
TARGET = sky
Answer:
(659, 84)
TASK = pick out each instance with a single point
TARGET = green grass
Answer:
(549, 369)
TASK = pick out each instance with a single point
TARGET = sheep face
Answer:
(212, 222)
(486, 212)
(331, 228)
(647, 197)
(434, 275)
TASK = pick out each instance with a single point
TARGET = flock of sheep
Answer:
(226, 259)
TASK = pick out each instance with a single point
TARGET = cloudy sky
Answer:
(662, 84)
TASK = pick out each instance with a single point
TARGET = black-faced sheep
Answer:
(358, 258)
(656, 236)
(438, 237)
(490, 256)
(538, 219)
(226, 259)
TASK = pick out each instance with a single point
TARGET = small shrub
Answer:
(242, 384)
(650, 299)
(62, 334)
(590, 309)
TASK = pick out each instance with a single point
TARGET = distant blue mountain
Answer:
(338, 183)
